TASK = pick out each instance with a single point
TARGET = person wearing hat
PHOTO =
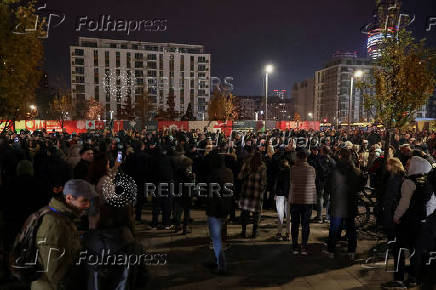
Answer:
(57, 237)
(86, 157)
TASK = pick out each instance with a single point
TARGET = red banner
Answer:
(178, 125)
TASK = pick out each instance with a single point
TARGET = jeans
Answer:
(139, 204)
(336, 226)
(405, 241)
(179, 207)
(161, 204)
(245, 218)
(300, 214)
(215, 228)
(319, 202)
(283, 209)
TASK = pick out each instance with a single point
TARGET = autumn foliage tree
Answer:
(60, 107)
(222, 106)
(297, 117)
(403, 80)
(21, 53)
(94, 110)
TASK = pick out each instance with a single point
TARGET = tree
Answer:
(60, 107)
(142, 107)
(297, 117)
(94, 110)
(21, 53)
(403, 80)
(222, 106)
(189, 115)
(171, 113)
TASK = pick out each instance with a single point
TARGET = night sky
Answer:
(297, 37)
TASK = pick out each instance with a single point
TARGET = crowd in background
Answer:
(295, 172)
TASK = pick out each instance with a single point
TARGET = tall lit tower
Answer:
(388, 19)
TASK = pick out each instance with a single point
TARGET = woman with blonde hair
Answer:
(392, 194)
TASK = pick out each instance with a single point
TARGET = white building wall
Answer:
(162, 84)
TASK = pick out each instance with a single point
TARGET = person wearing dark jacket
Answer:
(392, 194)
(111, 238)
(81, 169)
(182, 197)
(314, 160)
(163, 173)
(343, 185)
(218, 206)
(137, 166)
(281, 192)
(416, 204)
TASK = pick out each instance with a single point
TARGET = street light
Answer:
(33, 107)
(268, 70)
(356, 74)
(310, 115)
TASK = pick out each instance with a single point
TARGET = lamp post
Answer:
(357, 74)
(268, 69)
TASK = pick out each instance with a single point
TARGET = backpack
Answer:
(23, 258)
(421, 196)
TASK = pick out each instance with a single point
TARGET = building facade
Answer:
(117, 73)
(332, 91)
(303, 99)
(279, 107)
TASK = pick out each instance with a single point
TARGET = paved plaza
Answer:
(261, 263)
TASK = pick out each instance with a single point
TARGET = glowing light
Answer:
(358, 74)
(269, 68)
(113, 185)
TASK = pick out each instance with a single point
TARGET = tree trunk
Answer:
(387, 145)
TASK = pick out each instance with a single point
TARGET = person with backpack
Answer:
(57, 239)
(412, 210)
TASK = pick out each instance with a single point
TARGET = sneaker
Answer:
(304, 251)
(317, 220)
(279, 237)
(295, 251)
(170, 227)
(394, 285)
(328, 254)
(286, 238)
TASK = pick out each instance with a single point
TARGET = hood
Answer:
(418, 165)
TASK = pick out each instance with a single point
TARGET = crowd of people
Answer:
(56, 185)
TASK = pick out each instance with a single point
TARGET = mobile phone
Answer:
(16, 140)
(120, 156)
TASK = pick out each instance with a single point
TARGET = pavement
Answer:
(261, 263)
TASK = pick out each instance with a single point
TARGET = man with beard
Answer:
(57, 237)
